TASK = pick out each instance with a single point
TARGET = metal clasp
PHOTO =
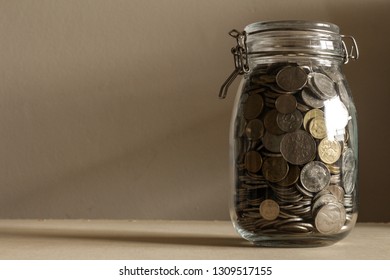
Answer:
(354, 53)
(240, 56)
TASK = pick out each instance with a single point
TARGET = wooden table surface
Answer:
(157, 239)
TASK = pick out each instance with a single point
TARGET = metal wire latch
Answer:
(354, 53)
(240, 56)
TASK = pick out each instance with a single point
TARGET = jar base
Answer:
(278, 239)
(295, 243)
(298, 241)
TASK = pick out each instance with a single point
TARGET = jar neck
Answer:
(299, 59)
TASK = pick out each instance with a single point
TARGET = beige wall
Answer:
(109, 109)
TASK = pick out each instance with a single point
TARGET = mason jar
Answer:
(293, 138)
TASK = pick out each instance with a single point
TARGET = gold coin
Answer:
(311, 115)
(317, 127)
(334, 169)
(329, 151)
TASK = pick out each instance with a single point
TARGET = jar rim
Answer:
(301, 25)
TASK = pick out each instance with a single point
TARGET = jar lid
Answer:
(294, 37)
(301, 25)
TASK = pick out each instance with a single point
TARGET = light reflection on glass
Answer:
(336, 118)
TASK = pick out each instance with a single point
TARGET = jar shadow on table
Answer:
(146, 237)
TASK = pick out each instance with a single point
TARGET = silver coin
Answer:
(343, 92)
(337, 191)
(315, 176)
(335, 179)
(310, 99)
(296, 228)
(348, 182)
(289, 122)
(322, 200)
(287, 221)
(330, 218)
(304, 191)
(291, 78)
(254, 129)
(298, 147)
(323, 85)
(348, 170)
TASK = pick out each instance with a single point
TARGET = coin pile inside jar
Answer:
(295, 166)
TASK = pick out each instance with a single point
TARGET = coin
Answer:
(343, 92)
(334, 169)
(263, 79)
(275, 169)
(348, 170)
(271, 94)
(311, 115)
(294, 228)
(329, 151)
(292, 176)
(269, 209)
(272, 142)
(309, 98)
(286, 104)
(322, 85)
(253, 161)
(303, 108)
(254, 129)
(315, 176)
(322, 200)
(270, 123)
(251, 91)
(291, 78)
(298, 147)
(289, 122)
(317, 127)
(330, 218)
(253, 106)
(303, 191)
(337, 191)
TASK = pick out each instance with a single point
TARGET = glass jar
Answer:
(293, 137)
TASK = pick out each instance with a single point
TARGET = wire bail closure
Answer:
(354, 53)
(240, 56)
